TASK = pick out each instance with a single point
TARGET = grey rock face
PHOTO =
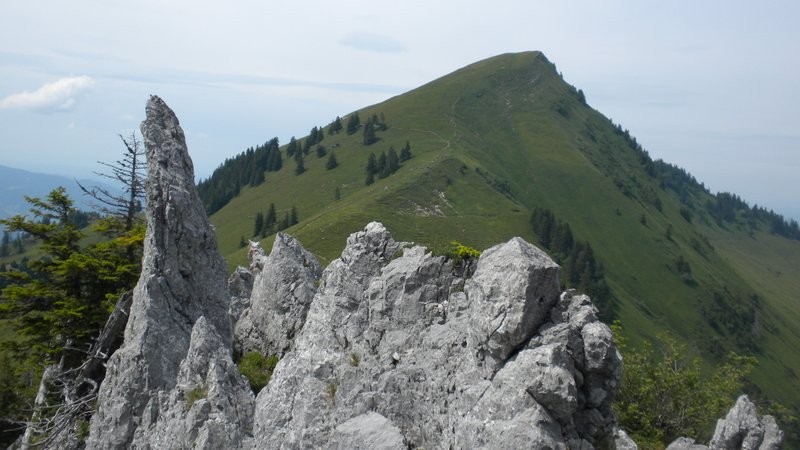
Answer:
(211, 405)
(370, 431)
(183, 278)
(397, 342)
(741, 429)
(281, 295)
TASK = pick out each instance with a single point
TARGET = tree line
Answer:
(268, 224)
(246, 169)
(386, 164)
(581, 269)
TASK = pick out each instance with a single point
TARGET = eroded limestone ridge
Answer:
(183, 279)
(390, 347)
(397, 351)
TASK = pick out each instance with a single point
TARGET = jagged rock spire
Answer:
(183, 278)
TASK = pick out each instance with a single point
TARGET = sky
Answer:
(711, 86)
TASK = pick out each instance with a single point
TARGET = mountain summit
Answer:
(505, 147)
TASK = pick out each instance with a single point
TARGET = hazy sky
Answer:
(712, 86)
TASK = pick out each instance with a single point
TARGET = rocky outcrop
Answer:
(741, 429)
(183, 280)
(395, 342)
(390, 347)
(283, 288)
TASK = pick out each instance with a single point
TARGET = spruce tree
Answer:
(271, 219)
(405, 152)
(353, 123)
(392, 161)
(300, 167)
(293, 216)
(259, 224)
(383, 166)
(369, 133)
(292, 147)
(372, 164)
(331, 163)
(321, 151)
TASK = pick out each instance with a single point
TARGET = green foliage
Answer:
(529, 156)
(582, 271)
(58, 302)
(66, 296)
(405, 152)
(369, 133)
(664, 393)
(331, 163)
(82, 429)
(330, 391)
(684, 269)
(257, 368)
(354, 360)
(353, 123)
(195, 394)
(457, 252)
(259, 224)
(300, 166)
(246, 169)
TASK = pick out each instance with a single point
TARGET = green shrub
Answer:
(195, 394)
(331, 392)
(665, 394)
(257, 368)
(457, 252)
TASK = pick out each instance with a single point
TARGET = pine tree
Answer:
(331, 163)
(259, 224)
(271, 219)
(372, 168)
(392, 161)
(383, 166)
(64, 301)
(353, 123)
(292, 147)
(336, 126)
(405, 152)
(321, 151)
(369, 133)
(293, 216)
(130, 173)
(300, 167)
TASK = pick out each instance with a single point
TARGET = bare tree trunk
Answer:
(38, 406)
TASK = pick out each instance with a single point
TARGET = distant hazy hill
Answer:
(501, 138)
(15, 184)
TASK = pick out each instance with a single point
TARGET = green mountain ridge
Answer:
(495, 140)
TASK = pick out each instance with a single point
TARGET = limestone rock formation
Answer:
(500, 361)
(390, 347)
(183, 280)
(282, 291)
(741, 429)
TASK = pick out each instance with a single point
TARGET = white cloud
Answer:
(60, 95)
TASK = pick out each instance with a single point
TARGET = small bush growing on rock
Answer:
(457, 252)
(354, 360)
(331, 392)
(257, 368)
(195, 394)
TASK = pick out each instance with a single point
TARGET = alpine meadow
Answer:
(506, 147)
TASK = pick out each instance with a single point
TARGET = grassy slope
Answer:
(513, 118)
